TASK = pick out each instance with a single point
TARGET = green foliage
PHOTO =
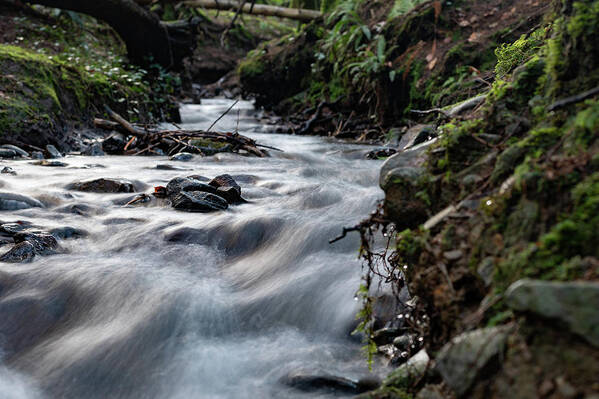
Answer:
(403, 6)
(365, 326)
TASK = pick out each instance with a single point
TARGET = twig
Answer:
(124, 123)
(431, 111)
(344, 233)
(574, 99)
(221, 117)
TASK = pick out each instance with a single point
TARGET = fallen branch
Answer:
(124, 123)
(574, 99)
(256, 9)
(431, 111)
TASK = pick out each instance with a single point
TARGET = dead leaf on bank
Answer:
(474, 37)
(432, 63)
(463, 23)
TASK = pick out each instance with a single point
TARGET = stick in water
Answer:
(221, 117)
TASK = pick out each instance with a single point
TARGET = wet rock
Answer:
(8, 170)
(43, 244)
(197, 201)
(114, 144)
(12, 202)
(573, 303)
(95, 150)
(409, 372)
(486, 269)
(6, 153)
(182, 157)
(67, 232)
(103, 186)
(189, 184)
(416, 135)
(12, 228)
(54, 153)
(308, 381)
(37, 155)
(54, 164)
(460, 361)
(168, 167)
(227, 188)
(21, 252)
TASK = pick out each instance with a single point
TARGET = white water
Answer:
(156, 303)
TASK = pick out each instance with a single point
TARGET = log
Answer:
(248, 8)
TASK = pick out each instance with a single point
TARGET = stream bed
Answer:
(157, 303)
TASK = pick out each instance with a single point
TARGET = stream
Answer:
(157, 303)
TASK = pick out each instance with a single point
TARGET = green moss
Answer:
(511, 55)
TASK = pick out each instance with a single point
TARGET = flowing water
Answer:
(156, 303)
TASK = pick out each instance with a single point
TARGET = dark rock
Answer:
(8, 170)
(308, 381)
(77, 209)
(103, 186)
(12, 202)
(228, 188)
(6, 153)
(21, 252)
(55, 164)
(114, 144)
(575, 303)
(385, 335)
(37, 155)
(197, 201)
(410, 372)
(17, 150)
(43, 244)
(461, 360)
(403, 342)
(182, 156)
(168, 167)
(54, 153)
(178, 184)
(67, 232)
(12, 228)
(95, 150)
(199, 178)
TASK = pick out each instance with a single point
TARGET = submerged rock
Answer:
(182, 156)
(460, 361)
(66, 232)
(575, 303)
(197, 201)
(12, 202)
(305, 380)
(45, 162)
(103, 186)
(8, 170)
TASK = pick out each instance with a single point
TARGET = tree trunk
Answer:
(146, 38)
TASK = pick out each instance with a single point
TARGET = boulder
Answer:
(576, 304)
(21, 252)
(103, 186)
(95, 150)
(189, 184)
(197, 201)
(17, 150)
(460, 361)
(409, 372)
(227, 188)
(12, 202)
(37, 155)
(66, 232)
(54, 153)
